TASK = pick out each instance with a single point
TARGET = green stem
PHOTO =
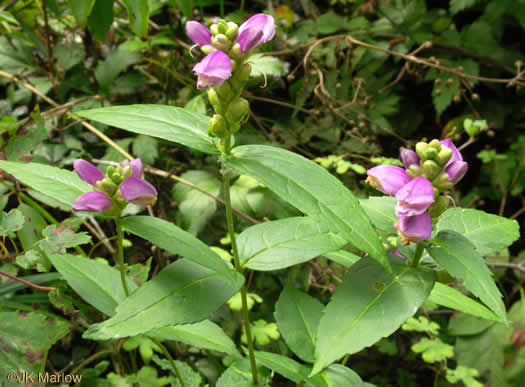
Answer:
(121, 256)
(173, 365)
(237, 262)
(417, 255)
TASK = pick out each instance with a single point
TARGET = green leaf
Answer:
(109, 69)
(161, 121)
(26, 338)
(433, 350)
(297, 315)
(186, 6)
(421, 324)
(11, 222)
(31, 233)
(195, 208)
(188, 375)
(313, 190)
(57, 239)
(100, 19)
(464, 374)
(235, 303)
(81, 10)
(97, 283)
(338, 375)
(138, 11)
(262, 332)
(171, 238)
(282, 243)
(265, 65)
(64, 186)
(464, 325)
(183, 292)
(204, 334)
(381, 211)
(355, 316)
(460, 5)
(457, 255)
(239, 374)
(146, 149)
(489, 233)
(343, 257)
(449, 297)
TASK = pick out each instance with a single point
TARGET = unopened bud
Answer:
(238, 110)
(232, 31)
(218, 126)
(221, 42)
(208, 49)
(107, 186)
(222, 26)
(430, 169)
(435, 144)
(110, 170)
(421, 147)
(441, 182)
(430, 153)
(127, 172)
(215, 101)
(224, 91)
(214, 28)
(117, 177)
(244, 72)
(444, 155)
(438, 207)
(414, 171)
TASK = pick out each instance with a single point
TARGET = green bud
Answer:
(224, 91)
(438, 207)
(214, 28)
(127, 172)
(238, 110)
(244, 72)
(234, 127)
(444, 155)
(414, 171)
(222, 26)
(235, 51)
(107, 186)
(430, 153)
(441, 182)
(208, 49)
(215, 101)
(421, 147)
(221, 42)
(430, 169)
(218, 126)
(110, 170)
(435, 144)
(232, 31)
(117, 177)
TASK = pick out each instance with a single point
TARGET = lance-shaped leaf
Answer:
(204, 334)
(370, 304)
(97, 283)
(166, 122)
(177, 241)
(64, 186)
(382, 212)
(449, 297)
(488, 233)
(282, 243)
(297, 315)
(311, 189)
(459, 257)
(183, 292)
(343, 257)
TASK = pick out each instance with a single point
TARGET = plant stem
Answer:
(90, 359)
(173, 365)
(417, 255)
(237, 262)
(121, 256)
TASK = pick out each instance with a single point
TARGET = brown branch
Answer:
(25, 282)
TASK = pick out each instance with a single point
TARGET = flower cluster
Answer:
(120, 185)
(225, 40)
(429, 170)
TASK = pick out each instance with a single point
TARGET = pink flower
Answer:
(414, 228)
(258, 29)
(198, 33)
(409, 157)
(92, 201)
(387, 178)
(414, 197)
(138, 191)
(136, 167)
(213, 70)
(87, 171)
(455, 167)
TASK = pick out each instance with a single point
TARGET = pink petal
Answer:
(414, 228)
(456, 155)
(249, 39)
(214, 69)
(260, 22)
(415, 197)
(87, 171)
(198, 33)
(138, 191)
(92, 201)
(456, 170)
(387, 178)
(136, 166)
(409, 157)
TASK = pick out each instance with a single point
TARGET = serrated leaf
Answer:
(262, 332)
(204, 334)
(449, 297)
(161, 121)
(97, 283)
(265, 65)
(171, 238)
(297, 315)
(311, 189)
(464, 374)
(11, 222)
(354, 317)
(57, 239)
(421, 324)
(64, 186)
(489, 233)
(458, 256)
(195, 208)
(433, 350)
(169, 299)
(282, 243)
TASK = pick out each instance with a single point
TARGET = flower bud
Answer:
(208, 49)
(409, 157)
(421, 147)
(244, 72)
(430, 153)
(435, 144)
(221, 42)
(117, 176)
(222, 26)
(236, 52)
(438, 207)
(218, 126)
(444, 155)
(442, 182)
(224, 92)
(214, 28)
(414, 171)
(238, 110)
(107, 186)
(214, 99)
(232, 31)
(127, 172)
(430, 169)
(456, 170)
